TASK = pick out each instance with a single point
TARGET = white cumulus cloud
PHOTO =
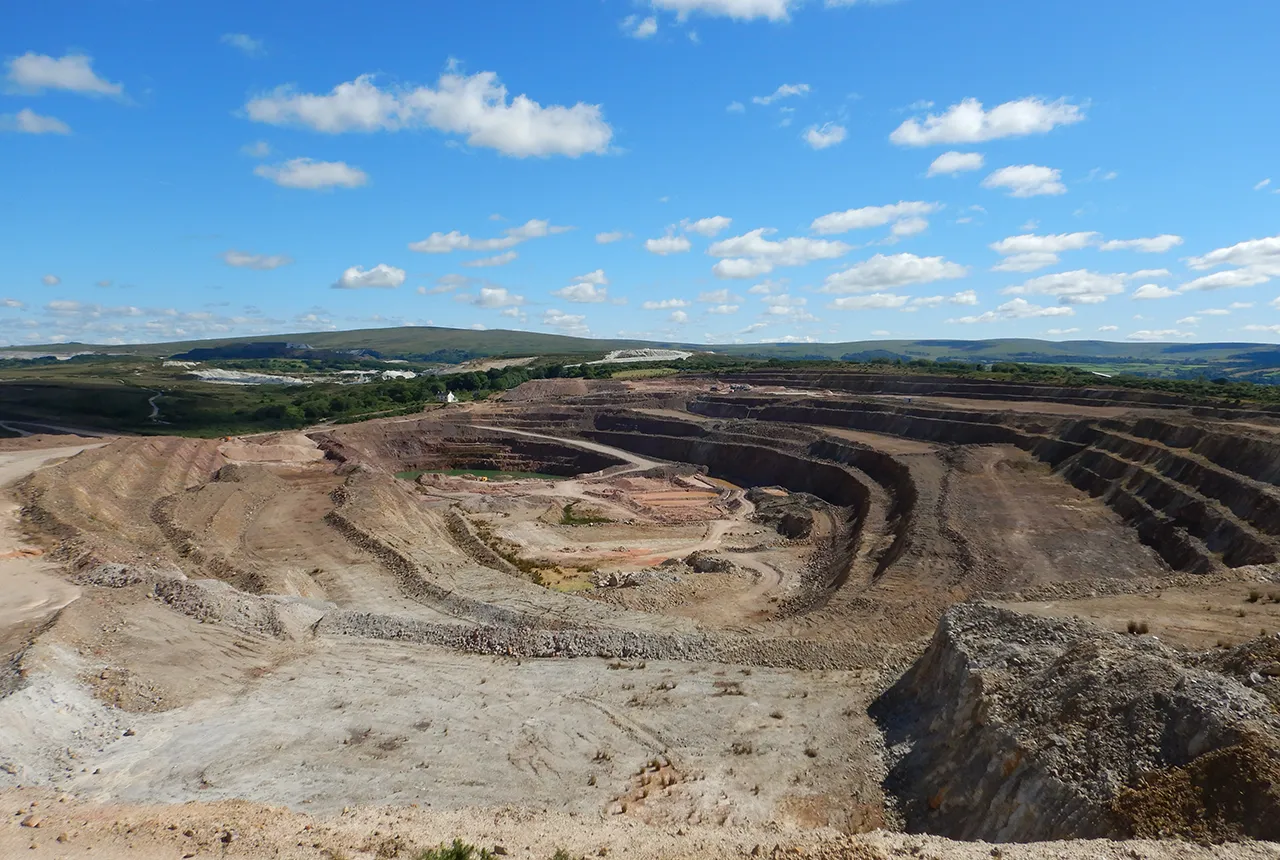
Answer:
(571, 324)
(1153, 245)
(707, 226)
(751, 254)
(475, 106)
(1153, 291)
(1161, 334)
(73, 73)
(883, 272)
(826, 135)
(967, 122)
(311, 174)
(665, 304)
(445, 243)
(50, 280)
(590, 288)
(1015, 309)
(871, 216)
(1027, 180)
(610, 237)
(951, 163)
(381, 276)
(1079, 287)
(785, 91)
(668, 245)
(639, 28)
(491, 297)
(27, 121)
(742, 10)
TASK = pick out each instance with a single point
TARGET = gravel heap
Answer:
(1017, 728)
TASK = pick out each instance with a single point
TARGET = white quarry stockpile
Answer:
(241, 377)
(628, 356)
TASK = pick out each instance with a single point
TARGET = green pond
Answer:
(491, 474)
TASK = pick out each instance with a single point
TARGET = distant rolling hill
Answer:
(1259, 362)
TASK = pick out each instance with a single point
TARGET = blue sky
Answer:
(699, 170)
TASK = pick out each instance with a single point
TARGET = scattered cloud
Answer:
(1248, 277)
(1062, 331)
(474, 106)
(491, 297)
(244, 43)
(1027, 180)
(35, 73)
(1153, 291)
(12, 303)
(871, 216)
(590, 288)
(909, 227)
(1108, 328)
(967, 122)
(751, 254)
(1029, 252)
(874, 301)
(27, 121)
(570, 324)
(262, 262)
(446, 243)
(639, 28)
(50, 280)
(964, 297)
(1261, 185)
(610, 237)
(720, 296)
(257, 149)
(723, 309)
(679, 317)
(496, 260)
(665, 304)
(311, 174)
(668, 245)
(785, 91)
(1153, 245)
(1015, 309)
(1148, 274)
(740, 10)
(1269, 329)
(1162, 334)
(736, 107)
(380, 276)
(951, 163)
(826, 135)
(708, 227)
(1192, 320)
(890, 272)
(1252, 253)
(1079, 287)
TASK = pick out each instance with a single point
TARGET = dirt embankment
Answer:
(434, 445)
(1014, 728)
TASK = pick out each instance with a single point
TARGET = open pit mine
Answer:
(817, 615)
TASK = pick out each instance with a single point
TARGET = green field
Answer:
(1252, 361)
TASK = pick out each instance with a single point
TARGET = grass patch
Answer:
(571, 518)
(459, 850)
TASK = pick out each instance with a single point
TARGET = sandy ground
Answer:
(69, 828)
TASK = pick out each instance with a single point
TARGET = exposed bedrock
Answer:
(429, 445)
(1018, 728)
(1202, 497)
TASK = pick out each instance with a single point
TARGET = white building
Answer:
(447, 397)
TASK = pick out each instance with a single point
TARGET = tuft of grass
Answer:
(1254, 595)
(459, 850)
(1139, 628)
(569, 518)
